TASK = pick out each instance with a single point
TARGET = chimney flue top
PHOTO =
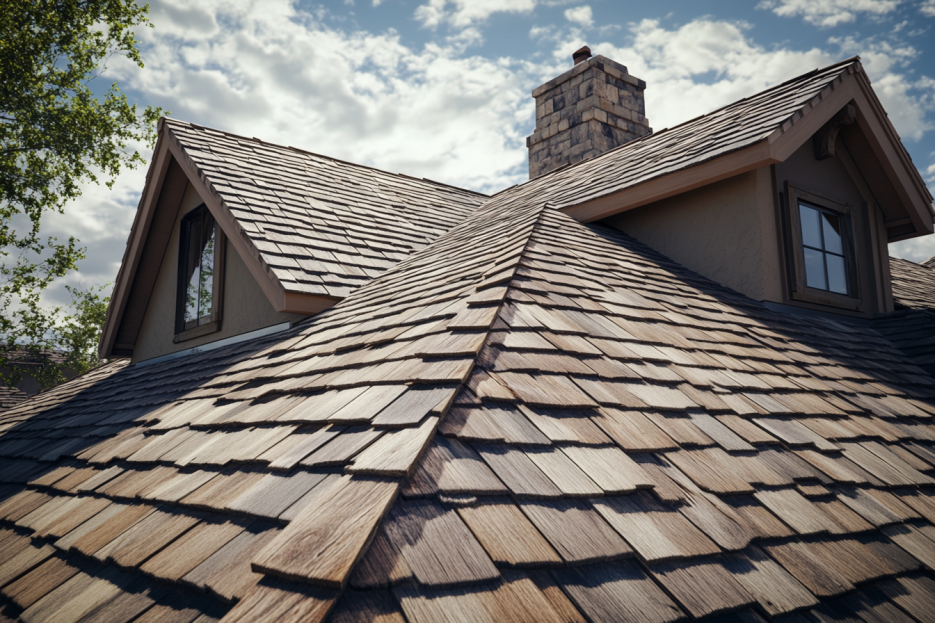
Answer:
(581, 55)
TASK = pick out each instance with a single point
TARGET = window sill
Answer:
(822, 297)
(192, 333)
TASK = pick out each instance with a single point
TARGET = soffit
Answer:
(529, 418)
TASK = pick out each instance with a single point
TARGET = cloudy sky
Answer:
(441, 88)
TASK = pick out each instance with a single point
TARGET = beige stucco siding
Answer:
(839, 180)
(726, 231)
(245, 306)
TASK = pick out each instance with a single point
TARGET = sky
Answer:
(441, 88)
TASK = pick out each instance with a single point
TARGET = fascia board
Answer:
(675, 183)
(134, 248)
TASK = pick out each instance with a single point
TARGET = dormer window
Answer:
(201, 261)
(823, 255)
(823, 236)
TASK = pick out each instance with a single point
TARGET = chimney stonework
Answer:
(588, 110)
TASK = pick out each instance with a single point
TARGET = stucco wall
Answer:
(726, 231)
(832, 179)
(245, 306)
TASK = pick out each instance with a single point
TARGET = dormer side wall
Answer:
(739, 232)
(726, 231)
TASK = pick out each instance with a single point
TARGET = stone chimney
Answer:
(592, 108)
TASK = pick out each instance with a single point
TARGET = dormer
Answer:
(789, 196)
(234, 238)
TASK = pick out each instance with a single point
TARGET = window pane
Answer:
(811, 226)
(837, 274)
(206, 280)
(831, 227)
(194, 275)
(815, 270)
(199, 264)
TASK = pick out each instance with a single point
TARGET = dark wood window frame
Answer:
(217, 295)
(800, 289)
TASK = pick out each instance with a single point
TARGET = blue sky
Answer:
(441, 88)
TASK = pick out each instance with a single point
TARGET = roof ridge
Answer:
(516, 263)
(372, 491)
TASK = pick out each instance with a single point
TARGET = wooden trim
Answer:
(190, 334)
(671, 184)
(801, 291)
(134, 249)
(298, 303)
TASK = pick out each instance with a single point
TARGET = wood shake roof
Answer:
(321, 225)
(913, 284)
(529, 419)
(526, 419)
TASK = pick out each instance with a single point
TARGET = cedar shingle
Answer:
(507, 534)
(618, 592)
(656, 533)
(438, 547)
(325, 540)
(576, 531)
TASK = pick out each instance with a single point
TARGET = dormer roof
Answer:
(310, 228)
(756, 131)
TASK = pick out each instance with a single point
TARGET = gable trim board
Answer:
(851, 86)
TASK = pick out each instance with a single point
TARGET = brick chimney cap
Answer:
(581, 55)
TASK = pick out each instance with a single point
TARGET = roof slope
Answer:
(323, 226)
(627, 441)
(913, 284)
(913, 332)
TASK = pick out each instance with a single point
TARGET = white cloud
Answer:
(580, 15)
(828, 13)
(463, 13)
(277, 73)
(701, 66)
(928, 8)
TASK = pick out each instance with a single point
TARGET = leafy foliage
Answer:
(56, 134)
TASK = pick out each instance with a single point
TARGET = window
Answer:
(823, 255)
(201, 262)
(823, 248)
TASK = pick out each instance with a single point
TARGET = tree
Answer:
(56, 134)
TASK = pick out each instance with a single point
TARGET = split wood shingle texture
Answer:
(529, 419)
